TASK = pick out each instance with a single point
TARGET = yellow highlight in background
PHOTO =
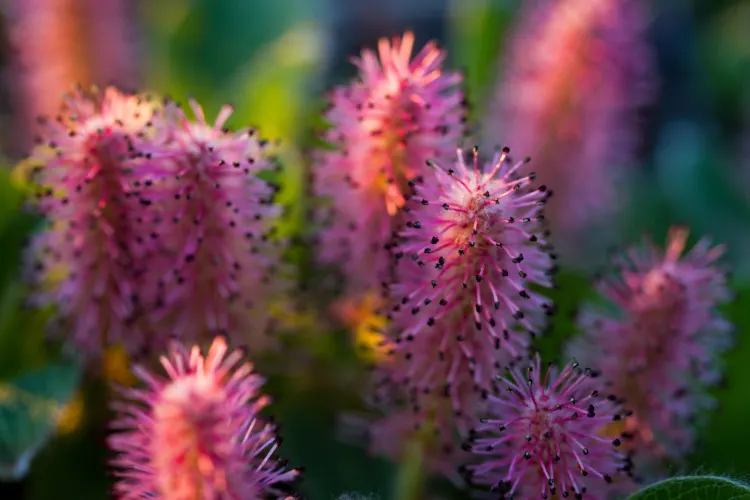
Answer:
(71, 416)
(613, 429)
(367, 325)
(117, 366)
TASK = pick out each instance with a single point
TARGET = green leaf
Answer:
(410, 477)
(694, 488)
(195, 46)
(22, 332)
(161, 20)
(30, 405)
(718, 445)
(275, 91)
(10, 198)
(275, 88)
(15, 226)
(72, 461)
(477, 37)
(21, 329)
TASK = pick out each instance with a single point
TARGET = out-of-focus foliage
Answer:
(721, 449)
(724, 49)
(277, 89)
(477, 30)
(21, 329)
(31, 407)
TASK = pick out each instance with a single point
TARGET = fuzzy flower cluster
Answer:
(576, 76)
(89, 260)
(157, 225)
(383, 127)
(217, 262)
(547, 435)
(661, 353)
(462, 307)
(196, 434)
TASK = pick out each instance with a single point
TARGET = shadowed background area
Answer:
(684, 98)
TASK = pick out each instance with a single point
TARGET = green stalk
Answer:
(410, 478)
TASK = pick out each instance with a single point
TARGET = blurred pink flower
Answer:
(661, 350)
(545, 436)
(218, 268)
(48, 41)
(113, 41)
(383, 127)
(86, 261)
(196, 434)
(577, 74)
(470, 249)
(58, 43)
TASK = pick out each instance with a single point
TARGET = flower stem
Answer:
(410, 477)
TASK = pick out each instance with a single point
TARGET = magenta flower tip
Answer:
(547, 435)
(196, 434)
(402, 111)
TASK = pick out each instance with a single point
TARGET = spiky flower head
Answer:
(471, 247)
(660, 350)
(196, 434)
(86, 260)
(577, 74)
(212, 218)
(400, 112)
(544, 435)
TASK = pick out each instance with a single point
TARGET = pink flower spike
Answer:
(462, 307)
(546, 435)
(661, 351)
(88, 260)
(577, 75)
(196, 434)
(401, 112)
(221, 268)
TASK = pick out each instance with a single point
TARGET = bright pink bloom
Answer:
(87, 258)
(196, 434)
(220, 267)
(383, 127)
(547, 436)
(577, 74)
(472, 246)
(661, 350)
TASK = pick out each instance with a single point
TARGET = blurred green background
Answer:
(274, 61)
